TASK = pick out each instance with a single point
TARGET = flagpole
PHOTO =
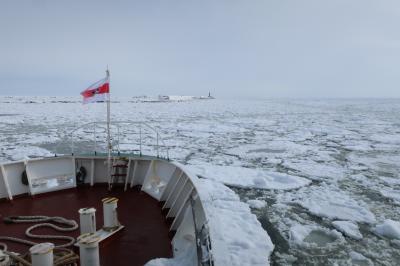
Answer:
(109, 147)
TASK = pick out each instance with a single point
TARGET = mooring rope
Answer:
(62, 256)
(43, 222)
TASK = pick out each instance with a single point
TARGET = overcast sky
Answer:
(247, 48)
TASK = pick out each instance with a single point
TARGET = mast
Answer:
(109, 147)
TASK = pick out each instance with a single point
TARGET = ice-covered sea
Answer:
(322, 176)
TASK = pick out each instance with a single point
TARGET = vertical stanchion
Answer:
(158, 154)
(94, 136)
(108, 135)
(140, 139)
(72, 143)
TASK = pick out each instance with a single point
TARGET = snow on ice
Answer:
(256, 204)
(249, 178)
(330, 202)
(238, 235)
(349, 229)
(349, 148)
(388, 228)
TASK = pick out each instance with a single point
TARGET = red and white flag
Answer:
(98, 92)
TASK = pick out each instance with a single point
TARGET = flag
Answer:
(98, 92)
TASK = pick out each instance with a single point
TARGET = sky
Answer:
(233, 48)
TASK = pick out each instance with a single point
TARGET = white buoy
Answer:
(87, 219)
(110, 213)
(4, 259)
(42, 254)
(89, 249)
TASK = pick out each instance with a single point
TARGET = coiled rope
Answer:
(43, 222)
(62, 256)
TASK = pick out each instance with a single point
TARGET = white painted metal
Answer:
(5, 180)
(171, 183)
(157, 177)
(180, 200)
(185, 235)
(142, 169)
(181, 179)
(110, 213)
(143, 130)
(13, 172)
(89, 250)
(180, 187)
(128, 171)
(175, 196)
(50, 174)
(179, 216)
(3, 191)
(92, 162)
(87, 220)
(42, 254)
(148, 172)
(135, 167)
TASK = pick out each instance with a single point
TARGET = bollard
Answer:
(89, 249)
(42, 254)
(110, 214)
(87, 218)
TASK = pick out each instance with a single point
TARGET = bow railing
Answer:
(126, 137)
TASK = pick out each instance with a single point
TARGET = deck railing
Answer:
(126, 137)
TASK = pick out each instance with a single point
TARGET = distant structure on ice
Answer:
(177, 98)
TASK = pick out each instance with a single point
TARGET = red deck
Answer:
(144, 237)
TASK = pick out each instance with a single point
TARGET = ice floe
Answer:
(392, 194)
(331, 202)
(248, 177)
(388, 228)
(256, 204)
(349, 229)
(351, 145)
(314, 236)
(238, 236)
(359, 259)
(317, 171)
(24, 152)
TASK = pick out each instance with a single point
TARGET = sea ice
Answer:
(391, 194)
(388, 228)
(256, 204)
(314, 236)
(359, 259)
(238, 237)
(349, 229)
(390, 180)
(24, 152)
(330, 202)
(248, 177)
(317, 171)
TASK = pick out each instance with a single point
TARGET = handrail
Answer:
(92, 126)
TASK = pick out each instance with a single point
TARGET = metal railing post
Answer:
(160, 150)
(140, 139)
(72, 143)
(119, 149)
(94, 135)
(158, 154)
